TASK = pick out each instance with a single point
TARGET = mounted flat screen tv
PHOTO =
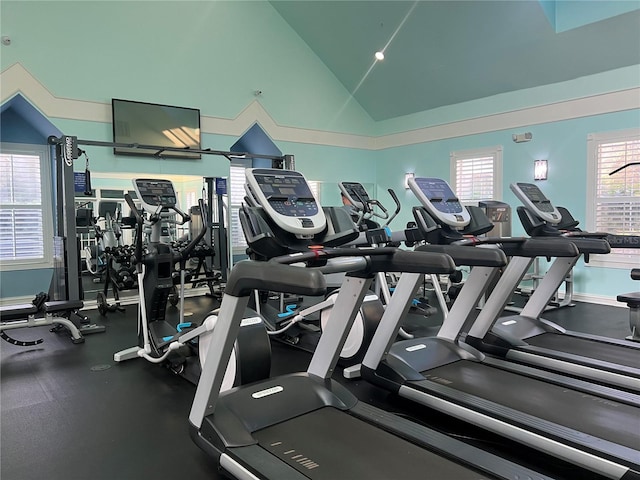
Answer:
(152, 124)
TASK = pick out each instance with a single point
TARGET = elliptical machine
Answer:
(367, 209)
(365, 206)
(182, 347)
(106, 238)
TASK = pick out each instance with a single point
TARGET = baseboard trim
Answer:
(599, 299)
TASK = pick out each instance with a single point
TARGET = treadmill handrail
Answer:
(381, 259)
(249, 275)
(548, 247)
(279, 275)
(472, 257)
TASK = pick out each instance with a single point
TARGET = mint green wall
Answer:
(213, 55)
(179, 53)
(331, 165)
(563, 143)
(176, 53)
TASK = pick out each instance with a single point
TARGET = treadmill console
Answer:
(154, 193)
(286, 197)
(355, 193)
(437, 197)
(535, 201)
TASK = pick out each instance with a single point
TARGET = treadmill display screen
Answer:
(288, 195)
(533, 193)
(439, 194)
(157, 192)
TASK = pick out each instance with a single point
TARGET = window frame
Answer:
(45, 206)
(624, 259)
(477, 153)
(237, 247)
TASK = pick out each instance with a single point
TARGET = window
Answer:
(26, 226)
(477, 174)
(191, 199)
(613, 201)
(237, 194)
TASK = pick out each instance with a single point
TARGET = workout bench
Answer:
(55, 313)
(633, 302)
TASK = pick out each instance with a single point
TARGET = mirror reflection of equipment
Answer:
(158, 341)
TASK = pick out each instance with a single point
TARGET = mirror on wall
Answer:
(103, 222)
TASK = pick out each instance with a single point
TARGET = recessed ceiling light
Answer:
(379, 56)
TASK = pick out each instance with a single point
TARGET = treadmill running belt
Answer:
(606, 352)
(330, 444)
(601, 418)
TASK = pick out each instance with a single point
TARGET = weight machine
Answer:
(68, 284)
(632, 299)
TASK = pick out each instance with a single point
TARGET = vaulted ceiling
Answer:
(441, 53)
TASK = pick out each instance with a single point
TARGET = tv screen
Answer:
(158, 125)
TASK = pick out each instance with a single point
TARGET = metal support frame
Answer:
(557, 299)
(341, 318)
(497, 301)
(48, 319)
(560, 271)
(66, 152)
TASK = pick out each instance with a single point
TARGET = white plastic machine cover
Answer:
(286, 197)
(440, 201)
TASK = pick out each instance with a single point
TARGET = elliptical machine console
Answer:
(365, 207)
(355, 193)
(155, 193)
(440, 201)
(536, 202)
(287, 199)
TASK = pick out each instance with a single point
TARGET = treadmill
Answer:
(589, 425)
(306, 425)
(529, 339)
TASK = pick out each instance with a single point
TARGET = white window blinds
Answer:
(22, 232)
(616, 209)
(476, 174)
(474, 179)
(236, 195)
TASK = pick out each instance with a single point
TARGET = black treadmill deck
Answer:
(606, 352)
(331, 444)
(592, 418)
